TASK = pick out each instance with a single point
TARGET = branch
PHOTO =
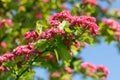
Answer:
(18, 76)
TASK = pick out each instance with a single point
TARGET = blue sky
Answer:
(103, 53)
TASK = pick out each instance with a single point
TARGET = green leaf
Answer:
(6, 1)
(47, 53)
(38, 27)
(67, 29)
(110, 32)
(63, 52)
(76, 64)
(56, 53)
(41, 44)
(62, 25)
(28, 75)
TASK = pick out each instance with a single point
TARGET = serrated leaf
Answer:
(62, 25)
(63, 52)
(41, 44)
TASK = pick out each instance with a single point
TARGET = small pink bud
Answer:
(56, 75)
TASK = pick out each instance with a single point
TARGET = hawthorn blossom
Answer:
(92, 2)
(117, 12)
(6, 22)
(38, 15)
(45, 1)
(49, 33)
(77, 44)
(54, 19)
(31, 35)
(2, 68)
(68, 70)
(85, 22)
(56, 75)
(90, 68)
(26, 49)
(103, 69)
(63, 5)
(81, 21)
(117, 35)
(112, 24)
(3, 45)
(5, 57)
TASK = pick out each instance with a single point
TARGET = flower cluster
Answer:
(112, 24)
(7, 56)
(50, 33)
(6, 22)
(81, 21)
(33, 35)
(117, 12)
(90, 69)
(25, 50)
(92, 2)
(85, 22)
(54, 20)
(103, 69)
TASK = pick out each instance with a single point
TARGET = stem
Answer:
(18, 76)
(82, 32)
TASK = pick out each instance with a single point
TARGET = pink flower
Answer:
(49, 33)
(38, 15)
(9, 55)
(56, 75)
(103, 69)
(54, 20)
(54, 23)
(117, 12)
(2, 68)
(90, 68)
(31, 35)
(85, 44)
(111, 23)
(3, 45)
(44, 1)
(117, 35)
(68, 70)
(6, 22)
(104, 9)
(77, 44)
(86, 22)
(92, 2)
(21, 8)
(64, 5)
(26, 49)
(5, 57)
